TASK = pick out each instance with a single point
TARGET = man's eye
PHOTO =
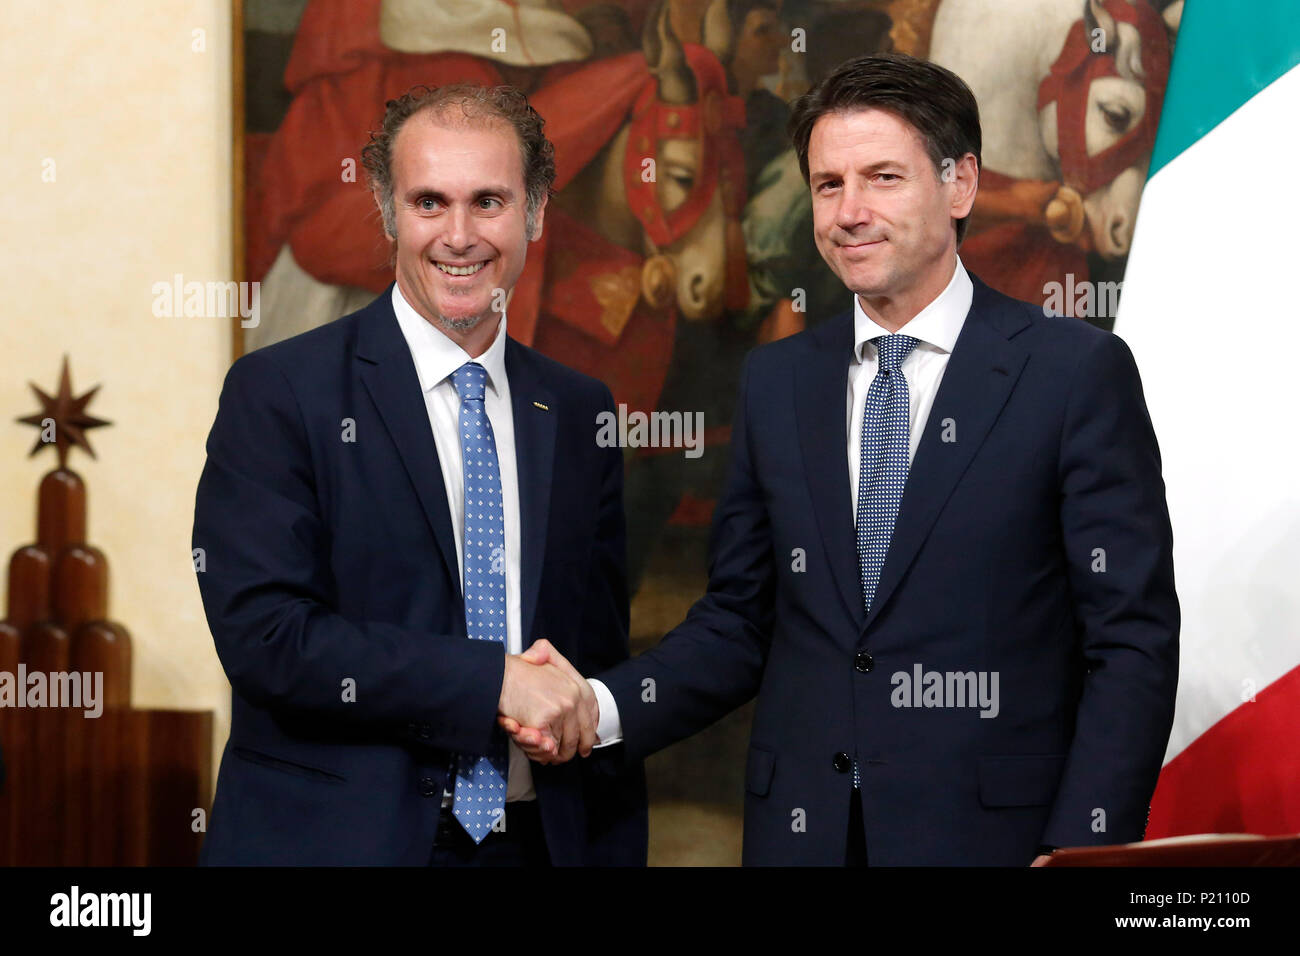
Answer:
(426, 203)
(828, 184)
(488, 199)
(887, 177)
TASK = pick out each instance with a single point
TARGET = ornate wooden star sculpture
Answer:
(70, 419)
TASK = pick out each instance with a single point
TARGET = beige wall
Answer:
(137, 123)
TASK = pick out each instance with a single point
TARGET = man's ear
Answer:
(965, 180)
(537, 222)
(379, 204)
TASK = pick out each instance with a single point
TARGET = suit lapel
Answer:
(820, 403)
(980, 375)
(388, 373)
(534, 459)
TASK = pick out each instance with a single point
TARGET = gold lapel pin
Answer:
(544, 408)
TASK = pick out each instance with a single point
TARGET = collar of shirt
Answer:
(437, 356)
(936, 326)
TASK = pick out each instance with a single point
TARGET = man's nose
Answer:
(854, 210)
(460, 233)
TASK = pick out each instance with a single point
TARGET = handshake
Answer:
(546, 706)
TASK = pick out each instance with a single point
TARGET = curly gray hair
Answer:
(477, 103)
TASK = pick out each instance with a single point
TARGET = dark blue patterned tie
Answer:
(882, 466)
(480, 794)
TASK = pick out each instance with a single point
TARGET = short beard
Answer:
(465, 324)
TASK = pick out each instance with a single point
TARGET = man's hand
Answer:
(537, 740)
(1041, 859)
(546, 706)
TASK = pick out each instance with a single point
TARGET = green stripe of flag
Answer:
(1224, 55)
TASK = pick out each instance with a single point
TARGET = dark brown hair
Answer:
(935, 101)
(476, 104)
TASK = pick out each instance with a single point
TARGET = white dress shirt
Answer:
(936, 327)
(436, 357)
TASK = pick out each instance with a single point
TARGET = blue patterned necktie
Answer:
(480, 794)
(882, 466)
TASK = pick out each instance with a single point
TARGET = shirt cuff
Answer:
(609, 729)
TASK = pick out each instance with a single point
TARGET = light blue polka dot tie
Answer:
(882, 466)
(480, 794)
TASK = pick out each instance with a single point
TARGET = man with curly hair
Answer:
(394, 507)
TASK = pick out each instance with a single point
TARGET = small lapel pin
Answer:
(544, 408)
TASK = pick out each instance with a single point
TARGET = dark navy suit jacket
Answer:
(1032, 540)
(332, 589)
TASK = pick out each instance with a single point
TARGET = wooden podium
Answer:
(117, 790)
(1201, 849)
(87, 782)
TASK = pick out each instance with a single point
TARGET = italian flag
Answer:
(1211, 310)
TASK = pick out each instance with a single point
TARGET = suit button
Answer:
(863, 662)
(428, 787)
(842, 763)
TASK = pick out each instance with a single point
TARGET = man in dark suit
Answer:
(943, 557)
(393, 507)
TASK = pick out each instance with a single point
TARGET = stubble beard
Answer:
(463, 325)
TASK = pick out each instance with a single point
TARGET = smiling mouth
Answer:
(460, 270)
